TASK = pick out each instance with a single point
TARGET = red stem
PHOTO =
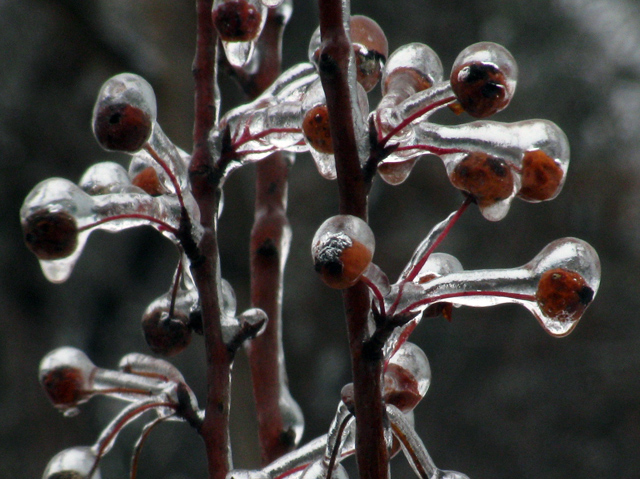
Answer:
(334, 60)
(269, 249)
(167, 170)
(418, 266)
(464, 294)
(415, 116)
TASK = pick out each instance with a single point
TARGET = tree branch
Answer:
(338, 76)
(206, 266)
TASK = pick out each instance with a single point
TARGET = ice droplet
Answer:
(239, 24)
(72, 463)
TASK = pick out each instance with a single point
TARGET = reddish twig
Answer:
(334, 59)
(205, 263)
(269, 250)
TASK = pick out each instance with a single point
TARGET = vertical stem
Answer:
(270, 238)
(336, 58)
(269, 249)
(205, 263)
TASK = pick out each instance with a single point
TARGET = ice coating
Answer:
(395, 122)
(72, 463)
(414, 449)
(423, 248)
(507, 143)
(59, 245)
(482, 288)
(239, 24)
(342, 249)
(413, 57)
(319, 470)
(66, 376)
(316, 129)
(105, 177)
(137, 363)
(407, 377)
(115, 131)
(484, 77)
(291, 414)
(124, 113)
(317, 133)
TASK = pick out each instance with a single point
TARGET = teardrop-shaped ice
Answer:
(66, 375)
(239, 24)
(291, 414)
(407, 377)
(124, 113)
(72, 463)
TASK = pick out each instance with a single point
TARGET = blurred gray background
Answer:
(506, 401)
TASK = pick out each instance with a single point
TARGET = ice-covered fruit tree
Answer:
(321, 107)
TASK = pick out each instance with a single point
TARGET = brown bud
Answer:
(51, 235)
(164, 335)
(316, 129)
(148, 180)
(237, 21)
(486, 178)
(541, 176)
(480, 88)
(122, 127)
(563, 295)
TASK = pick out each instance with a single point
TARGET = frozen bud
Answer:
(486, 178)
(50, 234)
(411, 68)
(568, 273)
(316, 129)
(149, 181)
(563, 294)
(72, 463)
(237, 20)
(407, 377)
(124, 113)
(371, 49)
(166, 335)
(542, 177)
(484, 78)
(255, 320)
(66, 376)
(342, 249)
